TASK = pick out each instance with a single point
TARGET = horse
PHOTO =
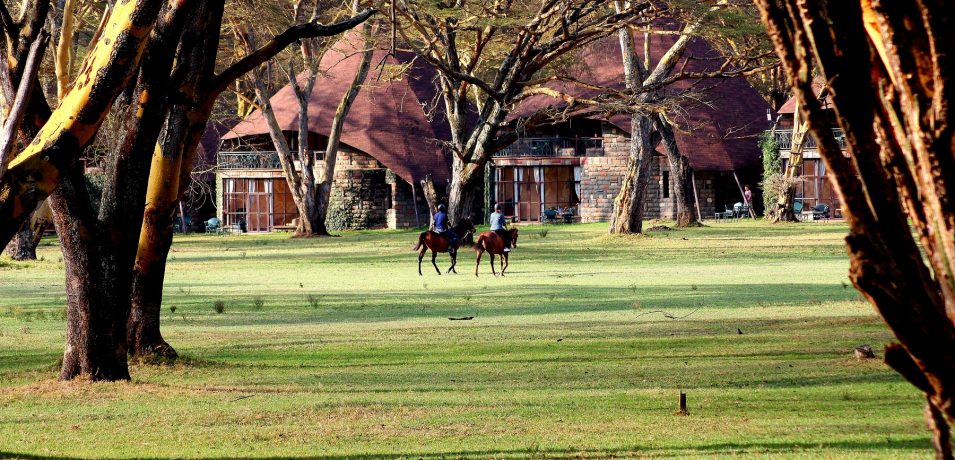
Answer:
(438, 243)
(493, 244)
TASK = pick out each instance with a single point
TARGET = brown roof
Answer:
(388, 119)
(717, 133)
(818, 86)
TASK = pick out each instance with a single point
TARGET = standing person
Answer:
(441, 226)
(499, 226)
(748, 198)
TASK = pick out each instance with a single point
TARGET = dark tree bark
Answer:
(169, 178)
(681, 173)
(888, 66)
(24, 243)
(96, 312)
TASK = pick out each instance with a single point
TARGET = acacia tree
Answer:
(166, 111)
(657, 84)
(172, 164)
(646, 81)
(486, 55)
(888, 68)
(310, 193)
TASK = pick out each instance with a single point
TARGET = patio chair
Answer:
(213, 225)
(727, 213)
(549, 216)
(821, 211)
(738, 209)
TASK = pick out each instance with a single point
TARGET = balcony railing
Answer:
(257, 160)
(784, 138)
(554, 147)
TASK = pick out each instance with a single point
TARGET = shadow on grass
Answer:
(729, 448)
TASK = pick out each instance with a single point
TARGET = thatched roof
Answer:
(388, 119)
(717, 133)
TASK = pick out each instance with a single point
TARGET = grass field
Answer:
(336, 348)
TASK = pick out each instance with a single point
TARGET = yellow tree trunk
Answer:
(35, 172)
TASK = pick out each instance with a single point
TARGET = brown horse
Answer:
(493, 244)
(438, 243)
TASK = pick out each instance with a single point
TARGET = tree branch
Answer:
(8, 135)
(277, 44)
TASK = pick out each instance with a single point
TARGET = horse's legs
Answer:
(492, 264)
(434, 255)
(505, 261)
(454, 260)
(424, 249)
(477, 265)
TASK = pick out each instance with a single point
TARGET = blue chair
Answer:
(213, 225)
(549, 216)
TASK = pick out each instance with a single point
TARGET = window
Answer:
(666, 184)
(525, 192)
(260, 203)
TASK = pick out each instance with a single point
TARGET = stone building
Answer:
(392, 139)
(577, 165)
(388, 143)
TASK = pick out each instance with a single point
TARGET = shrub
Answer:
(543, 232)
(774, 186)
(218, 306)
(258, 303)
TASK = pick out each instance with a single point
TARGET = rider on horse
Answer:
(499, 226)
(442, 228)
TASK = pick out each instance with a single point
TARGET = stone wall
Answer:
(403, 204)
(601, 178)
(360, 195)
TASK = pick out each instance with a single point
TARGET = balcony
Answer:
(784, 138)
(554, 147)
(257, 160)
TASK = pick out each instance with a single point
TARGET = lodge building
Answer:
(394, 132)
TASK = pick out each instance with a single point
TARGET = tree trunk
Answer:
(169, 178)
(462, 190)
(96, 305)
(888, 67)
(681, 173)
(175, 155)
(24, 244)
(784, 210)
(323, 189)
(629, 205)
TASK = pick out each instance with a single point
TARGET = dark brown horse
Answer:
(493, 244)
(438, 243)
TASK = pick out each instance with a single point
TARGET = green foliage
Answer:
(772, 166)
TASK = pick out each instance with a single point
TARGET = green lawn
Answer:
(336, 348)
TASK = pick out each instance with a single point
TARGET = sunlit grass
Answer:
(336, 348)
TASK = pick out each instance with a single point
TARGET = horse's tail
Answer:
(420, 241)
(479, 244)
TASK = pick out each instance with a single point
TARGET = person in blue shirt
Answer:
(499, 226)
(441, 226)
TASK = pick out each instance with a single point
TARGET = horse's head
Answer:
(465, 227)
(513, 237)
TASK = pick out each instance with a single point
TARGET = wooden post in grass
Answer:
(682, 410)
